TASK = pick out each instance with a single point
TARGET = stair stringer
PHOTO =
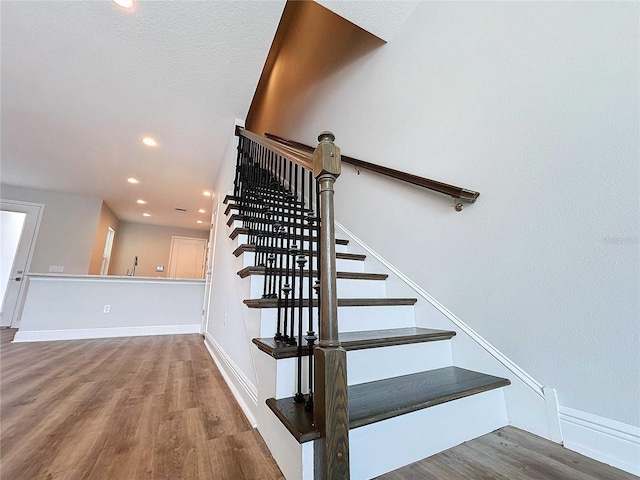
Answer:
(530, 406)
(292, 457)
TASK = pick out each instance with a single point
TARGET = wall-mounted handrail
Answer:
(458, 193)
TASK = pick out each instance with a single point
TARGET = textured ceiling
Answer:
(382, 18)
(83, 82)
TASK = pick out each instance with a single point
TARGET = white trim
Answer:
(226, 367)
(507, 363)
(608, 441)
(552, 406)
(67, 277)
(86, 333)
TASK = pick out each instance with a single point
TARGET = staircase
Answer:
(407, 399)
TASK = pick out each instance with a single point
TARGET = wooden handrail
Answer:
(458, 193)
(304, 158)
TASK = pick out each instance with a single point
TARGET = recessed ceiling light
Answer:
(145, 214)
(133, 180)
(149, 142)
(125, 3)
(206, 193)
(199, 221)
(141, 202)
(202, 210)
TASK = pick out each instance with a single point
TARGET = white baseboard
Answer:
(88, 333)
(239, 381)
(608, 441)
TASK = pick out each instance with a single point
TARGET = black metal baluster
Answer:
(280, 245)
(294, 253)
(299, 397)
(270, 230)
(301, 261)
(310, 337)
(286, 288)
(238, 178)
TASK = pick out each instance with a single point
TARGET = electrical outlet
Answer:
(225, 317)
(106, 309)
(56, 268)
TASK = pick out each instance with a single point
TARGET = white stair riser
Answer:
(342, 265)
(385, 446)
(243, 239)
(373, 364)
(240, 224)
(347, 288)
(288, 453)
(350, 319)
(370, 365)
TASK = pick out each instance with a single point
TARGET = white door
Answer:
(187, 257)
(15, 289)
(106, 255)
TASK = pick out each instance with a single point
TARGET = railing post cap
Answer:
(326, 136)
(326, 157)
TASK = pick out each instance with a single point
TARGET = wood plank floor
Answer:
(157, 408)
(508, 454)
(127, 408)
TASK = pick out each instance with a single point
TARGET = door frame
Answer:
(30, 238)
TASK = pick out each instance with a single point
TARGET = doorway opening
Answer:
(106, 255)
(11, 226)
(19, 229)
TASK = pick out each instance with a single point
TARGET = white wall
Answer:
(535, 105)
(150, 243)
(62, 307)
(67, 230)
(229, 324)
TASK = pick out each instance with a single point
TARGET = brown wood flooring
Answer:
(126, 408)
(508, 454)
(157, 408)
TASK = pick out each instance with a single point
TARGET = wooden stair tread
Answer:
(245, 247)
(360, 340)
(383, 399)
(342, 302)
(245, 231)
(247, 271)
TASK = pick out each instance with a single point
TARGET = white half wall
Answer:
(64, 307)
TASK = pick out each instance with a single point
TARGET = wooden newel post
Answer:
(331, 405)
